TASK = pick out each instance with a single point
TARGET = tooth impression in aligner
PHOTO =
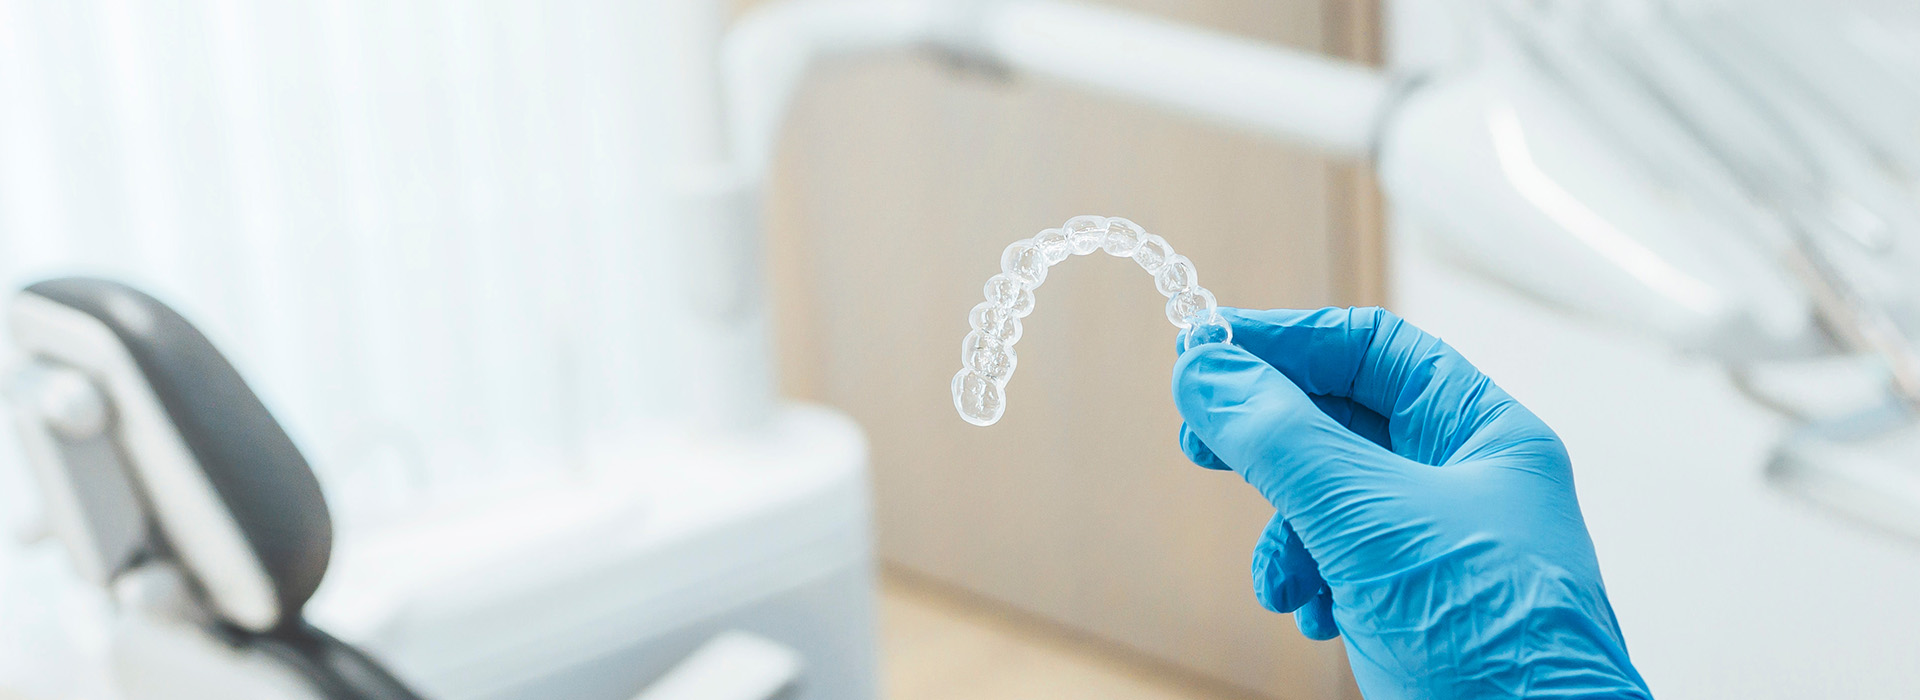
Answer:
(987, 359)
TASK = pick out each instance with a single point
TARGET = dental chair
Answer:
(168, 483)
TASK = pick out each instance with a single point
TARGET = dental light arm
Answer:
(1296, 96)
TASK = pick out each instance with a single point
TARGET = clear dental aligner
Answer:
(986, 356)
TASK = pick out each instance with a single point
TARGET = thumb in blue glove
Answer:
(1422, 513)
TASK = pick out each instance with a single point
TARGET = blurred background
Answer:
(611, 328)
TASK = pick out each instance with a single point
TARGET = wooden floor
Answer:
(938, 646)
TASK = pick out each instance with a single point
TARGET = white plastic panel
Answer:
(591, 586)
(1524, 189)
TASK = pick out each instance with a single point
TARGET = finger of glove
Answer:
(1256, 421)
(1434, 401)
(1197, 451)
(1355, 417)
(1316, 617)
(1359, 419)
(1190, 444)
(1285, 576)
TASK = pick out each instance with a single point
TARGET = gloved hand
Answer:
(1424, 514)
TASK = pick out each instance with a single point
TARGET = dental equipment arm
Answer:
(1296, 96)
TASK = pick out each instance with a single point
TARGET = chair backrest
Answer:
(229, 496)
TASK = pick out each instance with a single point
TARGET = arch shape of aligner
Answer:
(987, 358)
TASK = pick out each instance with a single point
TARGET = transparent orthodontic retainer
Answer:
(986, 356)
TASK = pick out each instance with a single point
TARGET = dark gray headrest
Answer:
(237, 450)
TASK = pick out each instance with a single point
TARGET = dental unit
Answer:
(167, 481)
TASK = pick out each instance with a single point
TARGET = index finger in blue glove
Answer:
(1257, 422)
(1434, 400)
(1355, 417)
(1359, 419)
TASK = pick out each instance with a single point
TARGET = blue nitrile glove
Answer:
(1424, 514)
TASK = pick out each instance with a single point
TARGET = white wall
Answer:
(428, 232)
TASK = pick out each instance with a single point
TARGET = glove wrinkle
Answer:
(1485, 633)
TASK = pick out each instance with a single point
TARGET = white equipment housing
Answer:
(591, 587)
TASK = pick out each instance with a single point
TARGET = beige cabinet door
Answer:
(898, 184)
